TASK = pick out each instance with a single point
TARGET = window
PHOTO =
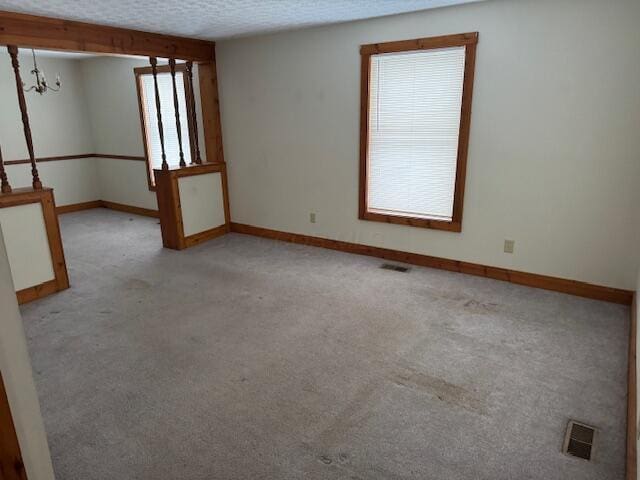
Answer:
(416, 111)
(149, 117)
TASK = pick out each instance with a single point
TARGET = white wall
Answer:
(58, 120)
(112, 103)
(27, 244)
(114, 116)
(59, 127)
(18, 379)
(553, 161)
(125, 181)
(73, 181)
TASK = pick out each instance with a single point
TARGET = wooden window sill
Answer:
(452, 226)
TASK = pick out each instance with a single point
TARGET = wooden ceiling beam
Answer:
(46, 33)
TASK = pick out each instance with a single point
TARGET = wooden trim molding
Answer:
(444, 41)
(170, 207)
(200, 237)
(76, 157)
(57, 34)
(23, 196)
(632, 396)
(190, 170)
(572, 287)
(55, 241)
(11, 464)
(42, 290)
(467, 40)
(121, 207)
(168, 196)
(76, 207)
(136, 158)
(47, 159)
(210, 105)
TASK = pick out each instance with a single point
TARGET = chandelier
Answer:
(41, 86)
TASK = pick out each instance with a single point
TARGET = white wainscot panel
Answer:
(25, 236)
(202, 202)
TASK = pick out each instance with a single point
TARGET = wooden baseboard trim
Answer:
(632, 400)
(76, 207)
(121, 207)
(37, 291)
(571, 287)
(197, 238)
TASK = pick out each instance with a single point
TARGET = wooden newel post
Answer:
(191, 109)
(6, 188)
(13, 52)
(172, 67)
(154, 70)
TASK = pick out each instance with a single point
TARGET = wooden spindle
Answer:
(154, 70)
(6, 188)
(191, 109)
(13, 52)
(172, 67)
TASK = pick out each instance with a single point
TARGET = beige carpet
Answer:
(246, 358)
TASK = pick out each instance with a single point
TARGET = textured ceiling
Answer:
(216, 19)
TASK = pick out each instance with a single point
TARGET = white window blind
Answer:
(165, 87)
(415, 101)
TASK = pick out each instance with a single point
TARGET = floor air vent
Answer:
(578, 441)
(395, 268)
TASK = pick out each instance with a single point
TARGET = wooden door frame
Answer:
(11, 463)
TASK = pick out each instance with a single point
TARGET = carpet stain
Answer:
(444, 391)
(480, 308)
(467, 303)
(136, 284)
(353, 415)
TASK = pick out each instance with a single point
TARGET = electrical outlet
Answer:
(312, 217)
(508, 246)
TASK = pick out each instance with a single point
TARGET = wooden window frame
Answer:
(141, 71)
(467, 40)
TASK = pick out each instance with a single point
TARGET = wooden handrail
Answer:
(154, 71)
(13, 52)
(191, 109)
(172, 67)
